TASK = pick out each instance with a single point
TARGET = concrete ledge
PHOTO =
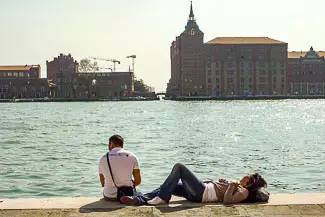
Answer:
(279, 204)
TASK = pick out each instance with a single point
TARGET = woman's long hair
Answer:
(255, 183)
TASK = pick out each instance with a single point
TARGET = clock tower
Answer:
(187, 61)
(191, 27)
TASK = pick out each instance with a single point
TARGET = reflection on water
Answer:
(52, 149)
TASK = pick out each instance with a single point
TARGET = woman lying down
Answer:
(198, 191)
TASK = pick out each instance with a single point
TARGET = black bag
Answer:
(262, 195)
(122, 190)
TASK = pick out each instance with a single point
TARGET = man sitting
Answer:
(123, 163)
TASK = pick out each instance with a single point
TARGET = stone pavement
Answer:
(279, 205)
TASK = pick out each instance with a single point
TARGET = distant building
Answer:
(226, 66)
(306, 72)
(62, 63)
(99, 85)
(246, 66)
(20, 71)
(22, 81)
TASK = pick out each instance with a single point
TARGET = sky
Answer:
(33, 31)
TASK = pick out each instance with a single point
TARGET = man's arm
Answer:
(137, 177)
(102, 179)
(232, 195)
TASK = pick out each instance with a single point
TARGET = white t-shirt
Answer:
(209, 194)
(122, 164)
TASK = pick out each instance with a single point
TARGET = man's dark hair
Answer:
(117, 140)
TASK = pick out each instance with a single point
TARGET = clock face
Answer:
(192, 32)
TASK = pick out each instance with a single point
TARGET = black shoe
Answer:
(128, 200)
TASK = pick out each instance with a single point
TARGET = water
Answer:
(52, 149)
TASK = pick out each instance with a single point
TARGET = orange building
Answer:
(22, 81)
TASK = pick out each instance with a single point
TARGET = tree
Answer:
(140, 86)
(86, 65)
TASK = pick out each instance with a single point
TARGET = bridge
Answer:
(161, 94)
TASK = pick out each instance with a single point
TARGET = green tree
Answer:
(86, 65)
(140, 86)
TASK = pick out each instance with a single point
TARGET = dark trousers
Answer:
(181, 182)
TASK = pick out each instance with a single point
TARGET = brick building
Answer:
(226, 65)
(22, 81)
(246, 66)
(187, 61)
(306, 72)
(99, 85)
(62, 63)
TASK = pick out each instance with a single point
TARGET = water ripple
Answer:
(52, 149)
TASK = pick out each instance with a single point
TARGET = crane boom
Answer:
(107, 59)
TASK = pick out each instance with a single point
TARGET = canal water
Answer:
(52, 149)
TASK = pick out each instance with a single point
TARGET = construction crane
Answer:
(109, 60)
(133, 62)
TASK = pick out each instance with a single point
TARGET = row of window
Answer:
(23, 89)
(14, 74)
(308, 73)
(309, 66)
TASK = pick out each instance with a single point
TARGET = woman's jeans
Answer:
(190, 187)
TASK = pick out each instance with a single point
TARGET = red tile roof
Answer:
(17, 67)
(244, 40)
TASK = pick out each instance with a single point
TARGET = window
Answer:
(9, 73)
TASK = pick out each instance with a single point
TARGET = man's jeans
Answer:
(190, 187)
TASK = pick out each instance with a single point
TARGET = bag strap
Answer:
(109, 166)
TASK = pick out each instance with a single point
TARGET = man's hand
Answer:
(102, 179)
(234, 184)
(137, 177)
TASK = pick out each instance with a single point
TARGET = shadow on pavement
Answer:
(101, 206)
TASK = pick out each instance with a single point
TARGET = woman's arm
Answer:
(234, 194)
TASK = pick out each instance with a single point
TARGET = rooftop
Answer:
(17, 67)
(244, 40)
(298, 54)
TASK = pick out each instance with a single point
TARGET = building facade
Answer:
(246, 66)
(99, 85)
(226, 66)
(306, 72)
(22, 81)
(187, 61)
(62, 63)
